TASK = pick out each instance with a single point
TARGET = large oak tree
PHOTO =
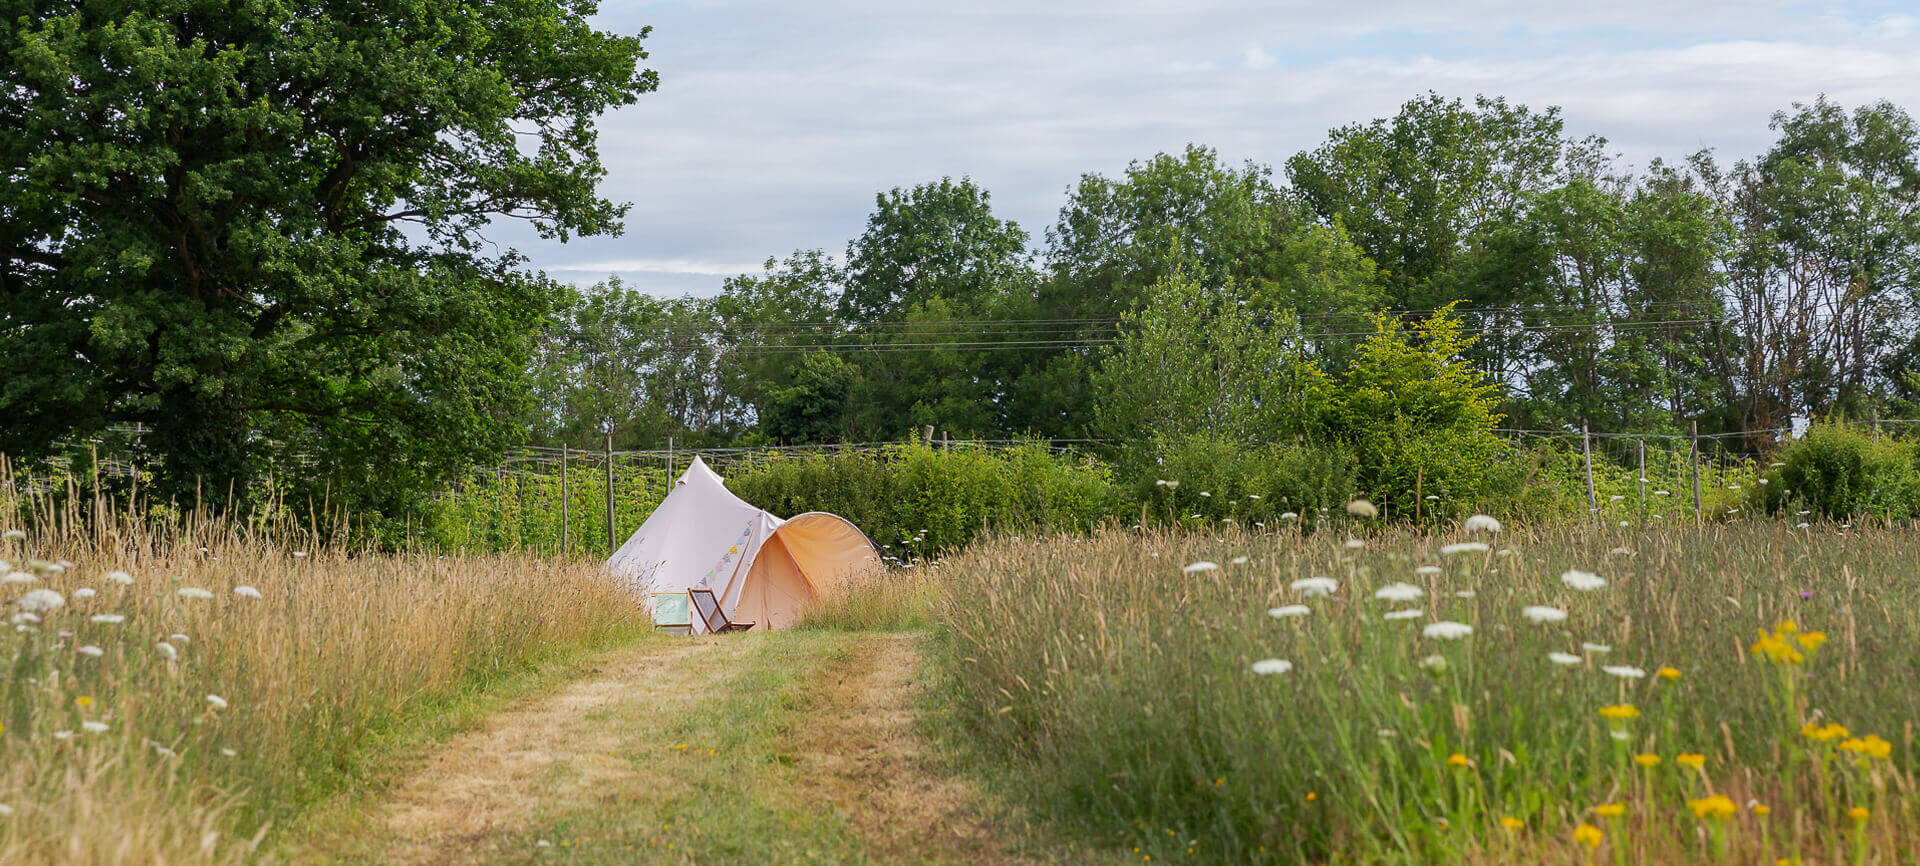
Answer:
(255, 225)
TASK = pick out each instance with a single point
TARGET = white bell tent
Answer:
(761, 569)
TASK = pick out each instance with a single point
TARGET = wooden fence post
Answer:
(1586, 452)
(565, 510)
(610, 545)
(1693, 455)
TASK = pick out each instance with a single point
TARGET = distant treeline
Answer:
(1192, 296)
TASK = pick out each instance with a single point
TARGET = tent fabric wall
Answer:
(762, 569)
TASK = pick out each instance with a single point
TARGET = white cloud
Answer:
(776, 124)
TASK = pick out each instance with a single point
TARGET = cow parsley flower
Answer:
(166, 649)
(84, 592)
(1624, 672)
(1203, 565)
(1362, 508)
(91, 650)
(1285, 611)
(1355, 544)
(1561, 658)
(1584, 581)
(109, 618)
(217, 701)
(1399, 592)
(94, 727)
(1595, 648)
(1312, 586)
(194, 592)
(246, 592)
(18, 577)
(42, 601)
(1272, 666)
(1427, 570)
(1542, 613)
(120, 577)
(1446, 630)
(1410, 613)
(1465, 547)
(1481, 523)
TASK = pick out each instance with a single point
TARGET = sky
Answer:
(776, 124)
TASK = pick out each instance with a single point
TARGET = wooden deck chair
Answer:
(712, 615)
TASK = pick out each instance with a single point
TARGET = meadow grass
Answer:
(175, 696)
(1120, 691)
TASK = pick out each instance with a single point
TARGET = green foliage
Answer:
(1418, 417)
(1840, 472)
(1204, 480)
(917, 501)
(1196, 362)
(935, 241)
(204, 209)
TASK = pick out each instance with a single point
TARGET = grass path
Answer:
(791, 747)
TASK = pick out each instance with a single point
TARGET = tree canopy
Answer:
(255, 225)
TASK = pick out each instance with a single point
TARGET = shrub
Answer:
(1218, 479)
(1840, 472)
(915, 500)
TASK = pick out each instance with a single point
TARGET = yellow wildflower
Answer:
(1858, 813)
(1610, 810)
(1760, 810)
(1690, 759)
(1511, 823)
(83, 701)
(1786, 626)
(1311, 796)
(1620, 712)
(1812, 640)
(1777, 650)
(1870, 746)
(1823, 733)
(1716, 806)
(1649, 760)
(1588, 835)
(1458, 760)
(1668, 673)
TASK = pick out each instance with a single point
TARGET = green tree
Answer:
(1193, 362)
(1418, 416)
(936, 240)
(776, 331)
(1414, 189)
(241, 221)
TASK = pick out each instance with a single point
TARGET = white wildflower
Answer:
(109, 618)
(177, 637)
(1399, 592)
(229, 752)
(1436, 664)
(84, 592)
(194, 592)
(91, 650)
(1272, 666)
(1622, 736)
(1253, 496)
(1624, 672)
(1446, 630)
(1355, 544)
(61, 735)
(1285, 611)
(1289, 515)
(5, 809)
(1238, 560)
(166, 649)
(1465, 547)
(1427, 569)
(217, 701)
(1464, 593)
(24, 617)
(42, 601)
(1584, 581)
(120, 577)
(1411, 613)
(1312, 586)
(1595, 648)
(1206, 494)
(1542, 613)
(246, 592)
(16, 535)
(94, 727)
(18, 577)
(1561, 658)
(1362, 508)
(1203, 565)
(1481, 523)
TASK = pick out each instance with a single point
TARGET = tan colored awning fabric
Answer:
(809, 557)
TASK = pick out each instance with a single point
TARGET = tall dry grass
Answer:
(182, 709)
(1118, 691)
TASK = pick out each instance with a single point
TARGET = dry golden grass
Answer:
(175, 717)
